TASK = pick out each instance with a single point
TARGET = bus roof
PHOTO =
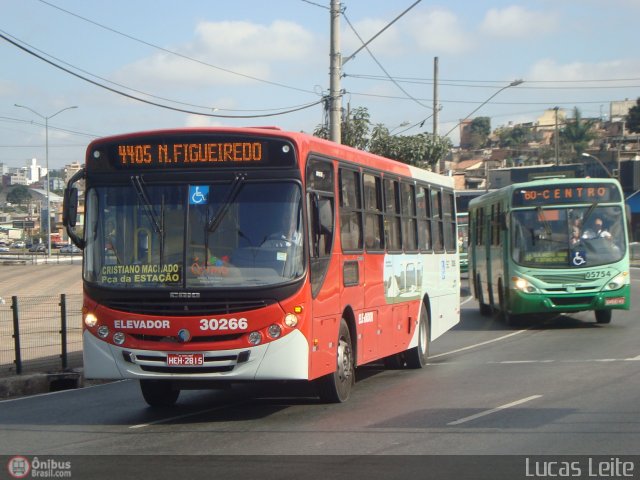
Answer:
(545, 182)
(303, 142)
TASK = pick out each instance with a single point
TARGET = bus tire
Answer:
(336, 387)
(159, 393)
(485, 310)
(417, 356)
(603, 316)
(507, 318)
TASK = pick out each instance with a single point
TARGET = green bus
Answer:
(550, 246)
(463, 240)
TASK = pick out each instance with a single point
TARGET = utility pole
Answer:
(436, 108)
(435, 96)
(335, 99)
(556, 137)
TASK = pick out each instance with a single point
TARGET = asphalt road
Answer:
(563, 387)
(569, 386)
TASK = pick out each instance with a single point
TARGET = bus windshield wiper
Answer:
(144, 200)
(543, 218)
(236, 185)
(592, 207)
(214, 223)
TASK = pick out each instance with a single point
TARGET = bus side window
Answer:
(373, 223)
(321, 209)
(350, 210)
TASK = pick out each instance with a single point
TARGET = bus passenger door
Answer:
(324, 270)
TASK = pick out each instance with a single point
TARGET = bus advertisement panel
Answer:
(215, 256)
(551, 246)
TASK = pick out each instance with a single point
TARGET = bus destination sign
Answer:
(190, 153)
(565, 194)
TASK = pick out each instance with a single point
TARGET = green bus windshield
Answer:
(568, 237)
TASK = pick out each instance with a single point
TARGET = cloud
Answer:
(546, 70)
(517, 22)
(438, 31)
(246, 48)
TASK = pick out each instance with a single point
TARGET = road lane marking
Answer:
(494, 410)
(476, 345)
(177, 417)
(468, 299)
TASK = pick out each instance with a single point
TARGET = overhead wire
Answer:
(4, 36)
(171, 52)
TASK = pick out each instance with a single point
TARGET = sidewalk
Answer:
(24, 280)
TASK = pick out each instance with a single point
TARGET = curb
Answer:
(32, 384)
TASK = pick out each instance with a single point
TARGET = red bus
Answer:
(222, 255)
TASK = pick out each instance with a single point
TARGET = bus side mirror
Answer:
(70, 207)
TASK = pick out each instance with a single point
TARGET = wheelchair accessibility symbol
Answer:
(198, 194)
(578, 258)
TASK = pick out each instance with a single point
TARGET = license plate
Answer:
(185, 359)
(614, 301)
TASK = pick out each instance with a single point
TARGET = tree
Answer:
(479, 131)
(19, 195)
(354, 129)
(633, 118)
(578, 133)
(421, 149)
(513, 137)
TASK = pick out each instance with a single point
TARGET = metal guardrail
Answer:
(34, 258)
(40, 334)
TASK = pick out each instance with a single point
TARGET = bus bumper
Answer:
(523, 303)
(284, 359)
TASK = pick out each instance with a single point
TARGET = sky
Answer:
(257, 63)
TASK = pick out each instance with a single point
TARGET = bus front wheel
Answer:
(336, 387)
(159, 393)
(603, 316)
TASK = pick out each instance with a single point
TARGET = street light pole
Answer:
(515, 83)
(46, 156)
(611, 175)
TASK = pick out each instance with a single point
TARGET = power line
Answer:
(379, 64)
(492, 83)
(148, 102)
(171, 52)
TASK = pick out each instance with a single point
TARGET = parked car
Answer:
(38, 247)
(70, 249)
(18, 244)
(4, 248)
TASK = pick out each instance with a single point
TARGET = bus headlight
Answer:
(119, 338)
(90, 320)
(523, 285)
(291, 320)
(274, 331)
(103, 331)
(617, 282)
(255, 338)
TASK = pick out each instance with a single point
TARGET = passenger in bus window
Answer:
(575, 236)
(601, 231)
(598, 231)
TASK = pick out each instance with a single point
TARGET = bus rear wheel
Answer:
(603, 316)
(159, 393)
(336, 387)
(417, 356)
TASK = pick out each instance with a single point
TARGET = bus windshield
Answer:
(568, 237)
(206, 235)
